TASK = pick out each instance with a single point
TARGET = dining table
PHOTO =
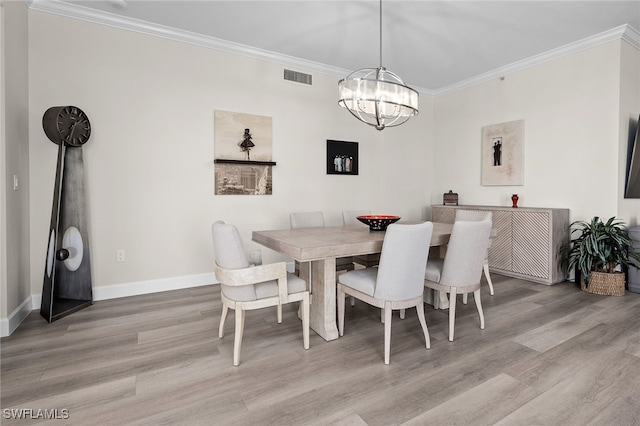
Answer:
(316, 249)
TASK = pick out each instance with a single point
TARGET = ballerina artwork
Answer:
(246, 143)
(243, 150)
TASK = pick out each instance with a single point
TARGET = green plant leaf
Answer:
(599, 246)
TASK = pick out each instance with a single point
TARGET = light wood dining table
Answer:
(317, 249)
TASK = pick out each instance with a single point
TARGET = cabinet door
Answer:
(531, 243)
(500, 250)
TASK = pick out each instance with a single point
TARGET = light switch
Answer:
(15, 182)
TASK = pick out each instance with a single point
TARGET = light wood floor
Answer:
(548, 356)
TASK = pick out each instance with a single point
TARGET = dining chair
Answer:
(479, 215)
(306, 220)
(397, 283)
(316, 220)
(246, 288)
(350, 218)
(461, 269)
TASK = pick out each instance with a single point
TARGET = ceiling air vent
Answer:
(298, 77)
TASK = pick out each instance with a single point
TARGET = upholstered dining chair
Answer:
(306, 220)
(461, 269)
(350, 218)
(397, 283)
(245, 288)
(316, 220)
(478, 215)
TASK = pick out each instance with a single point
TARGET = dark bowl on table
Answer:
(378, 222)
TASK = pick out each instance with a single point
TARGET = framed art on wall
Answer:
(243, 146)
(503, 154)
(342, 157)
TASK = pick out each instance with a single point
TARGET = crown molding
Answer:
(624, 32)
(109, 19)
(632, 36)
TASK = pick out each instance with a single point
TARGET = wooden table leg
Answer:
(322, 316)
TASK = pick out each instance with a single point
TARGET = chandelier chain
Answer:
(380, 33)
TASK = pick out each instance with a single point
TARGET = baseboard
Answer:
(152, 286)
(8, 325)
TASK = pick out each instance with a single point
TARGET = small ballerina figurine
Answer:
(247, 144)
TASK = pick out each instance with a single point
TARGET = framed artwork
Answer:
(503, 154)
(243, 150)
(342, 158)
(243, 179)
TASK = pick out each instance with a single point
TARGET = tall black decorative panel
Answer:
(67, 274)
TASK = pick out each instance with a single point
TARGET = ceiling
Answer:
(432, 45)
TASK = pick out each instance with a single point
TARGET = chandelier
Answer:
(377, 96)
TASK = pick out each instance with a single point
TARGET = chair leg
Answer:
(441, 299)
(304, 307)
(476, 296)
(488, 277)
(279, 313)
(387, 332)
(423, 323)
(352, 300)
(452, 312)
(225, 310)
(341, 296)
(485, 268)
(237, 343)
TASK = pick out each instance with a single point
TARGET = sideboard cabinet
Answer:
(527, 242)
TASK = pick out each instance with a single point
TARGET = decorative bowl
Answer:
(378, 222)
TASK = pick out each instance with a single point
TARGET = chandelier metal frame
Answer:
(376, 96)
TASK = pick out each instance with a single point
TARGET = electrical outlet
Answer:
(119, 256)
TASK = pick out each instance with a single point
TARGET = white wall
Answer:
(15, 286)
(629, 111)
(149, 161)
(572, 123)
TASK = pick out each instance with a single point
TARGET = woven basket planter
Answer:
(606, 284)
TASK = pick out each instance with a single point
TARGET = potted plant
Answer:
(599, 252)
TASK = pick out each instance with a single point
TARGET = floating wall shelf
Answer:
(255, 163)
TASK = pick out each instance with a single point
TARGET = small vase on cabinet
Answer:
(514, 200)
